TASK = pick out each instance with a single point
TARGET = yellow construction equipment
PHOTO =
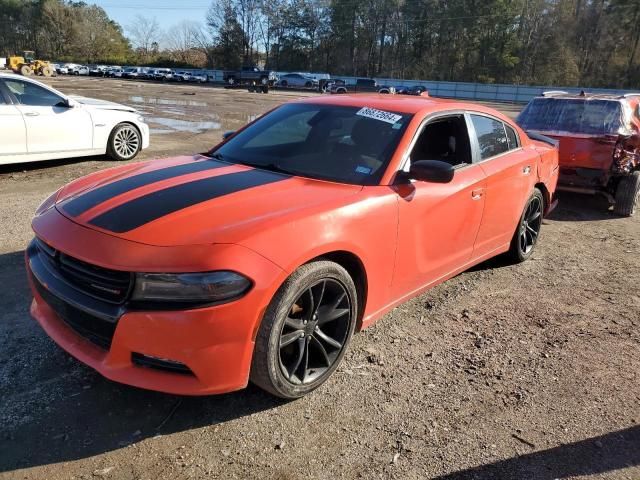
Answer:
(26, 65)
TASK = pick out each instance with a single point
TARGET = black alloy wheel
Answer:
(528, 231)
(306, 330)
(531, 224)
(314, 332)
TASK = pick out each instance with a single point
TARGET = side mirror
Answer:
(433, 171)
(70, 103)
(228, 134)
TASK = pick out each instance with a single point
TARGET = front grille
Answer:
(111, 286)
(96, 330)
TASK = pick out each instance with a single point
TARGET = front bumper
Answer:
(214, 343)
(144, 131)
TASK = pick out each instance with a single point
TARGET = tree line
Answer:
(550, 42)
(60, 30)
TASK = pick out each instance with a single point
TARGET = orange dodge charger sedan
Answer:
(259, 259)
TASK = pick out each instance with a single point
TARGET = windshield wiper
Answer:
(272, 167)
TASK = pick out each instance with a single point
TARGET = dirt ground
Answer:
(504, 372)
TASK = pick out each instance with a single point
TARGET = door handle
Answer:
(477, 194)
(526, 170)
(32, 114)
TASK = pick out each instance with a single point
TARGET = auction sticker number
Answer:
(379, 115)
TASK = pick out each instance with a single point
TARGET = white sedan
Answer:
(40, 123)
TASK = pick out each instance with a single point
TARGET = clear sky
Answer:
(167, 12)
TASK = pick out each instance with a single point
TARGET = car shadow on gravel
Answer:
(54, 409)
(44, 164)
(576, 207)
(593, 456)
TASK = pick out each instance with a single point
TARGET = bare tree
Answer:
(180, 39)
(144, 32)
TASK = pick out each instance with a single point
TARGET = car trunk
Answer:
(585, 151)
(587, 129)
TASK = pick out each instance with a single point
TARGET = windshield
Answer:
(588, 116)
(342, 144)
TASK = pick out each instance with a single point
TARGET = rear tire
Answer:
(526, 235)
(305, 331)
(25, 70)
(628, 195)
(124, 142)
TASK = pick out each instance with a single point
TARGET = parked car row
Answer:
(141, 73)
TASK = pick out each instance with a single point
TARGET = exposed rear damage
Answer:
(598, 140)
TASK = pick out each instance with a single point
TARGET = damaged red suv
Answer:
(599, 143)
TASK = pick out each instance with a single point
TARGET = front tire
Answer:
(125, 142)
(628, 195)
(526, 235)
(305, 331)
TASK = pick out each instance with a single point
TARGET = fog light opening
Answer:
(159, 363)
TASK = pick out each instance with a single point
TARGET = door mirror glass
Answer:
(433, 171)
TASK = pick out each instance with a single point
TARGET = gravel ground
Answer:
(504, 372)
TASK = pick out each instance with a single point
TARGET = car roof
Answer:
(560, 95)
(18, 77)
(400, 103)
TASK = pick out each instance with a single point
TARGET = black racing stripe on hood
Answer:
(155, 205)
(92, 198)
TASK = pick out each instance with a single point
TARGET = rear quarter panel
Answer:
(548, 167)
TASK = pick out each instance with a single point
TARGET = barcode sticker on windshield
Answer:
(379, 115)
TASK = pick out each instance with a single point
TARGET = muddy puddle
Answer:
(170, 115)
(166, 101)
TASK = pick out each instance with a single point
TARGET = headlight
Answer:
(49, 202)
(207, 287)
(140, 119)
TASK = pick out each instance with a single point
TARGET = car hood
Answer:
(194, 200)
(97, 104)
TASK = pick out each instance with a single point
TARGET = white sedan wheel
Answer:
(124, 143)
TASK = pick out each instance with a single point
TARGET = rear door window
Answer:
(512, 137)
(492, 137)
